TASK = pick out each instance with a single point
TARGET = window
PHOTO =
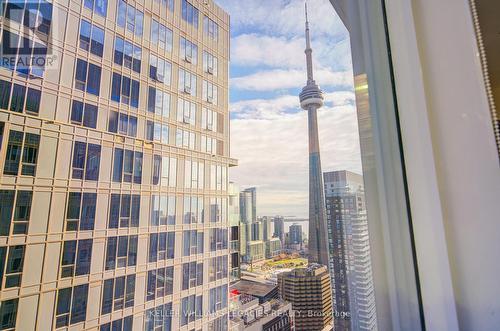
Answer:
(125, 90)
(187, 82)
(208, 145)
(91, 38)
(218, 177)
(164, 171)
(122, 123)
(118, 293)
(218, 210)
(218, 239)
(86, 160)
(127, 166)
(80, 214)
(184, 138)
(71, 305)
(210, 28)
(192, 242)
(76, 258)
(158, 102)
(190, 13)
(210, 64)
(163, 210)
(127, 54)
(124, 211)
(130, 18)
(159, 318)
(11, 265)
(157, 132)
(218, 268)
(100, 7)
(18, 59)
(124, 324)
(22, 99)
(186, 112)
(84, 114)
(160, 70)
(209, 92)
(169, 4)
(208, 120)
(188, 51)
(219, 324)
(121, 252)
(218, 298)
(161, 246)
(23, 147)
(21, 212)
(161, 36)
(8, 314)
(160, 283)
(192, 275)
(192, 309)
(87, 77)
(194, 174)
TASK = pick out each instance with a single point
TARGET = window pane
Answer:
(88, 211)
(90, 116)
(84, 257)
(93, 162)
(8, 314)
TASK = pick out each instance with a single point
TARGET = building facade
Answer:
(234, 234)
(350, 262)
(309, 291)
(295, 236)
(279, 228)
(114, 161)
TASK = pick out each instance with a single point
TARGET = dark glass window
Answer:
(76, 298)
(86, 160)
(29, 153)
(124, 324)
(5, 88)
(218, 298)
(190, 13)
(160, 283)
(218, 239)
(124, 211)
(218, 268)
(118, 293)
(6, 205)
(159, 318)
(11, 265)
(33, 101)
(192, 275)
(100, 7)
(127, 166)
(122, 123)
(121, 252)
(84, 114)
(76, 258)
(22, 212)
(161, 246)
(192, 309)
(87, 77)
(125, 90)
(192, 242)
(8, 314)
(127, 54)
(81, 210)
(130, 18)
(17, 99)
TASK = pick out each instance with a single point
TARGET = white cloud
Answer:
(279, 79)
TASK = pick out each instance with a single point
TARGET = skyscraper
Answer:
(309, 291)
(248, 205)
(295, 235)
(311, 99)
(114, 161)
(350, 263)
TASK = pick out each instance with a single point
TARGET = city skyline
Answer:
(266, 119)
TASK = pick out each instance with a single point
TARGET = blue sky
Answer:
(268, 128)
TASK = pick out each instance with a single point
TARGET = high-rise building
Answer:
(279, 228)
(295, 235)
(267, 232)
(311, 99)
(273, 247)
(350, 263)
(234, 233)
(114, 162)
(248, 205)
(309, 291)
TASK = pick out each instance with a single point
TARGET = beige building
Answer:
(114, 161)
(309, 291)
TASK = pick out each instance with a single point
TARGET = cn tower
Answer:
(311, 99)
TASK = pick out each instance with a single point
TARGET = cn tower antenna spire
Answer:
(308, 51)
